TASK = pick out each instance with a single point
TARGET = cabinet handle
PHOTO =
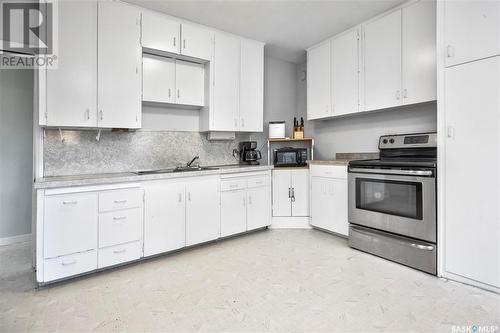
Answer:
(68, 263)
(119, 251)
(327, 109)
(120, 201)
(169, 92)
(289, 192)
(405, 93)
(101, 114)
(74, 202)
(119, 218)
(175, 41)
(183, 43)
(235, 122)
(242, 122)
(398, 94)
(178, 93)
(189, 196)
(450, 132)
(450, 51)
(180, 197)
(293, 194)
(88, 114)
(249, 199)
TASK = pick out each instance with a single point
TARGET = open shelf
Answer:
(290, 139)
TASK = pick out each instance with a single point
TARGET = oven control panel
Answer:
(422, 140)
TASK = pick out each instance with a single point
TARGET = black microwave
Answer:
(290, 157)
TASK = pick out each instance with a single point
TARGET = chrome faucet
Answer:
(192, 161)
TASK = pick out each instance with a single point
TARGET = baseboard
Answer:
(470, 282)
(292, 222)
(15, 239)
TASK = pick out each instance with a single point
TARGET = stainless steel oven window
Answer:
(399, 198)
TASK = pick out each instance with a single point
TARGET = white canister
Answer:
(276, 130)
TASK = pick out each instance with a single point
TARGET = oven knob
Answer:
(384, 141)
(391, 140)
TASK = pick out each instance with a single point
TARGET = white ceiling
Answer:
(287, 27)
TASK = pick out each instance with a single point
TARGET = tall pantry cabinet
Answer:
(469, 117)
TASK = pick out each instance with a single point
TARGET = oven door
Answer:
(397, 201)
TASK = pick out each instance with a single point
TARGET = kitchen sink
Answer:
(178, 169)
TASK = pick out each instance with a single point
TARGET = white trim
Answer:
(15, 239)
(291, 222)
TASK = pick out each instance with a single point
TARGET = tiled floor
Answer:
(277, 280)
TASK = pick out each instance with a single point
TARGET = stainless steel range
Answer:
(392, 201)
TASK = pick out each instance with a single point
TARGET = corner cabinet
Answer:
(386, 62)
(291, 192)
(99, 76)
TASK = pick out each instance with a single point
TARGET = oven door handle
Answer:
(393, 172)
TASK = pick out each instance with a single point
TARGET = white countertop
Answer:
(123, 177)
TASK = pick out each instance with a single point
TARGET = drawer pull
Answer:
(120, 201)
(258, 182)
(120, 251)
(68, 263)
(74, 202)
(233, 186)
(118, 218)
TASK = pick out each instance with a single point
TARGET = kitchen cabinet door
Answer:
(471, 30)
(119, 65)
(190, 79)
(319, 82)
(300, 192)
(71, 88)
(158, 79)
(251, 86)
(338, 198)
(202, 210)
(419, 52)
(226, 83)
(345, 73)
(382, 62)
(197, 41)
(233, 212)
(259, 207)
(472, 228)
(160, 32)
(164, 217)
(70, 224)
(282, 193)
(321, 205)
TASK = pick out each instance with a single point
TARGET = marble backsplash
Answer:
(81, 153)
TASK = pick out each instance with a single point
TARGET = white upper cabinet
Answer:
(119, 65)
(226, 77)
(197, 41)
(160, 32)
(251, 86)
(71, 88)
(345, 73)
(189, 83)
(471, 30)
(419, 53)
(158, 83)
(318, 81)
(382, 62)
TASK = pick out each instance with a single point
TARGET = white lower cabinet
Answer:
(164, 217)
(202, 210)
(119, 254)
(329, 198)
(120, 227)
(245, 203)
(291, 192)
(69, 265)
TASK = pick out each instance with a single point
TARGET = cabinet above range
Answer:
(386, 62)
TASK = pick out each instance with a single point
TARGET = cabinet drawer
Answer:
(65, 266)
(118, 254)
(120, 227)
(69, 224)
(258, 181)
(112, 200)
(329, 171)
(234, 184)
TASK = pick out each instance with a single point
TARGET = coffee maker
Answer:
(249, 154)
